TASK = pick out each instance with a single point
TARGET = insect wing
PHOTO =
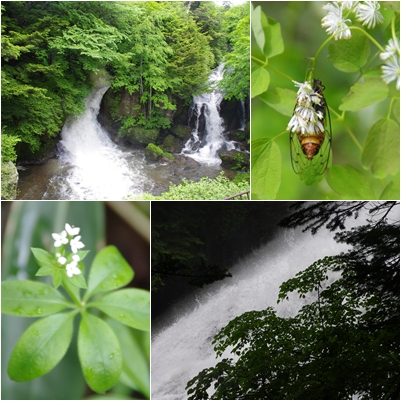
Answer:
(298, 160)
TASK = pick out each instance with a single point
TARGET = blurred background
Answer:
(303, 35)
(26, 224)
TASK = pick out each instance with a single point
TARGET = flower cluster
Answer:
(69, 235)
(308, 115)
(367, 12)
(391, 68)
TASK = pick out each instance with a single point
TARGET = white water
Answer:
(207, 150)
(183, 348)
(94, 166)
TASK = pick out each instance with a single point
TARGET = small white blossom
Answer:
(306, 120)
(76, 244)
(349, 5)
(62, 260)
(72, 269)
(60, 239)
(392, 49)
(369, 14)
(334, 21)
(72, 230)
(76, 258)
(391, 71)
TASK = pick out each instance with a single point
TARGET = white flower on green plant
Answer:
(61, 260)
(60, 239)
(392, 49)
(368, 13)
(76, 244)
(334, 21)
(391, 71)
(71, 230)
(72, 269)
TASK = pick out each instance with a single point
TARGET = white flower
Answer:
(60, 239)
(72, 230)
(62, 260)
(392, 49)
(306, 120)
(391, 71)
(76, 258)
(76, 244)
(369, 13)
(349, 5)
(334, 21)
(72, 269)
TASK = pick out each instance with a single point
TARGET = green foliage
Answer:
(44, 343)
(205, 189)
(158, 151)
(235, 82)
(50, 51)
(321, 353)
(365, 150)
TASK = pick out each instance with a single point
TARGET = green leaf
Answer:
(266, 168)
(130, 306)
(31, 299)
(135, 374)
(260, 80)
(76, 280)
(392, 190)
(382, 147)
(41, 347)
(47, 270)
(109, 271)
(266, 33)
(350, 55)
(364, 94)
(350, 183)
(283, 101)
(257, 28)
(44, 258)
(99, 353)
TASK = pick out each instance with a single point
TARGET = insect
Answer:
(310, 134)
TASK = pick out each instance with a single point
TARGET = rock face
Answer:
(117, 107)
(9, 177)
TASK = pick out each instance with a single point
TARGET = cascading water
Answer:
(207, 139)
(94, 167)
(183, 347)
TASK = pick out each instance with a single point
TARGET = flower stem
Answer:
(71, 293)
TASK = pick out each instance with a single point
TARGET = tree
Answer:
(344, 343)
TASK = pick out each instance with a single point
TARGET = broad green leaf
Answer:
(257, 28)
(136, 373)
(47, 270)
(350, 55)
(274, 41)
(349, 183)
(260, 80)
(266, 34)
(283, 101)
(266, 168)
(364, 94)
(109, 271)
(130, 306)
(77, 280)
(396, 109)
(392, 190)
(99, 353)
(31, 299)
(41, 347)
(44, 258)
(381, 152)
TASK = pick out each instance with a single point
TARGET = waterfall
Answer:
(94, 166)
(207, 137)
(183, 347)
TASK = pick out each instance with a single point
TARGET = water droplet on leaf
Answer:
(38, 311)
(111, 356)
(35, 332)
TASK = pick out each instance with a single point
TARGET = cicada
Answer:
(310, 132)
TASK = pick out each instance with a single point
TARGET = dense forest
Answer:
(158, 53)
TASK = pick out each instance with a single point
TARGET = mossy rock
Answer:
(235, 160)
(172, 144)
(9, 181)
(140, 135)
(155, 153)
(181, 131)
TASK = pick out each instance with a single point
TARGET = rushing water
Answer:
(208, 139)
(182, 347)
(91, 166)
